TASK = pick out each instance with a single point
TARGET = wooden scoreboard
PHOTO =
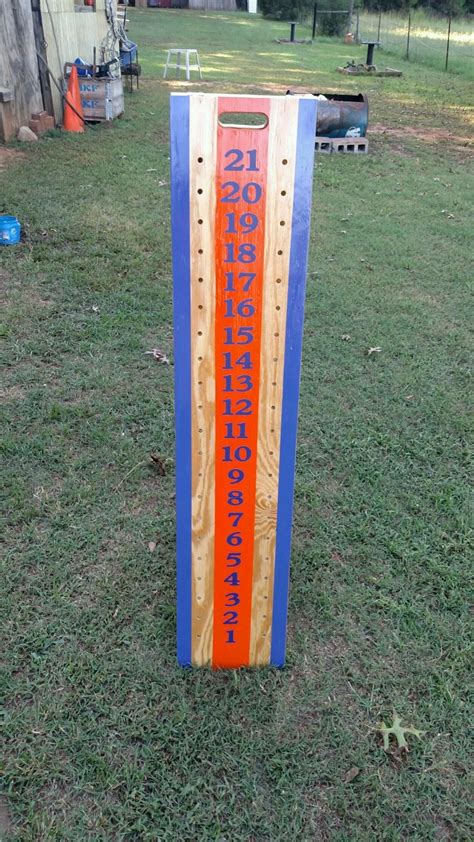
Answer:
(242, 171)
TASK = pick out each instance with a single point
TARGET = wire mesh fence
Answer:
(442, 43)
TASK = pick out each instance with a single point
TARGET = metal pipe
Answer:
(315, 12)
(447, 42)
(408, 36)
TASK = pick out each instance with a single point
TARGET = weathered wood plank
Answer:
(202, 164)
(18, 61)
(282, 147)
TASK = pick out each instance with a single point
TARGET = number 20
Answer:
(251, 192)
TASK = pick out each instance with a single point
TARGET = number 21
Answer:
(237, 156)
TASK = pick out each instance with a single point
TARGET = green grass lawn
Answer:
(106, 738)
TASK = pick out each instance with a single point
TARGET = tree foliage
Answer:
(286, 9)
(438, 7)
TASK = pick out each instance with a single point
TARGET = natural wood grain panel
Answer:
(282, 147)
(202, 150)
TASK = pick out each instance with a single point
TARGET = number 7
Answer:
(250, 279)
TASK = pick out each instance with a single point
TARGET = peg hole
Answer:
(282, 222)
(283, 192)
(285, 161)
(200, 160)
(200, 191)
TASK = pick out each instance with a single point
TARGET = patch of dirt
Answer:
(434, 136)
(11, 393)
(9, 156)
(6, 826)
(5, 278)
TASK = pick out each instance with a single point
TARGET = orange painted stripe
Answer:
(235, 515)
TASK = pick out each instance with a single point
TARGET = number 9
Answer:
(235, 475)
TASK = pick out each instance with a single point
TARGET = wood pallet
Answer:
(354, 145)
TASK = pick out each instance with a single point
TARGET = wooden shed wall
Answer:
(18, 66)
(77, 33)
(219, 5)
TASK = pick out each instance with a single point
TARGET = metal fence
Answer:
(441, 43)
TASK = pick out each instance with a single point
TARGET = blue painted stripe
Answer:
(179, 107)
(291, 376)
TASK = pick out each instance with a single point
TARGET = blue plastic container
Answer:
(10, 230)
(127, 57)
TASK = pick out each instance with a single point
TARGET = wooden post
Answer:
(40, 46)
(241, 185)
(350, 15)
(315, 14)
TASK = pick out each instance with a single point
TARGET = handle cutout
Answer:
(243, 120)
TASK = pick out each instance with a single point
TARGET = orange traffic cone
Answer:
(72, 122)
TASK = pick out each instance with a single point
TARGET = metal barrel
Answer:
(342, 115)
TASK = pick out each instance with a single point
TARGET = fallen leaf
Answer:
(158, 355)
(159, 463)
(346, 337)
(397, 730)
(152, 169)
(375, 350)
(95, 309)
(351, 774)
(152, 546)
